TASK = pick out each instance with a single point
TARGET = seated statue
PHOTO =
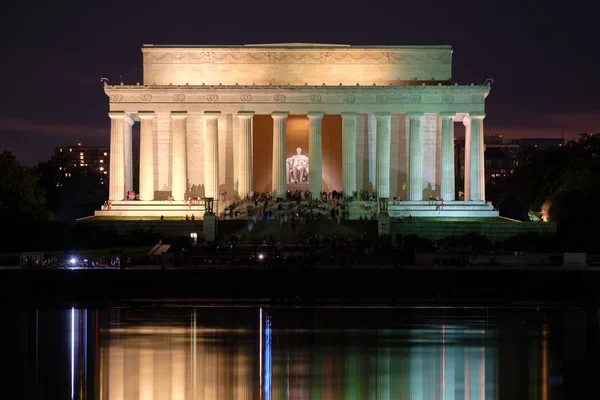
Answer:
(297, 168)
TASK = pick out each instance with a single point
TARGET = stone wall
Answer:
(496, 230)
(295, 64)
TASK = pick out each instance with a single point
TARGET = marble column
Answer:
(279, 175)
(128, 151)
(349, 153)
(315, 160)
(245, 153)
(477, 167)
(116, 184)
(382, 176)
(415, 158)
(146, 156)
(447, 185)
(211, 154)
(179, 178)
(467, 170)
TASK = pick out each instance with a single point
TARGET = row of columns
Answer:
(121, 173)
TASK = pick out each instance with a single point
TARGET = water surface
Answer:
(322, 353)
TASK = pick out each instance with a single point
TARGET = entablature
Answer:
(281, 94)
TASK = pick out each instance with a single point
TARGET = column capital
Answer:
(245, 114)
(314, 115)
(447, 115)
(128, 120)
(382, 115)
(349, 115)
(477, 115)
(179, 114)
(146, 114)
(280, 114)
(117, 115)
(212, 114)
(415, 115)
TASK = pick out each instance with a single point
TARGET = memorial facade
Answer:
(225, 121)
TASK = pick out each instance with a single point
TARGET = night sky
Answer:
(544, 60)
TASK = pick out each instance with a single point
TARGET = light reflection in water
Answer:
(223, 354)
(267, 387)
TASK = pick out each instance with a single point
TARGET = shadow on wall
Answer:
(196, 190)
(430, 191)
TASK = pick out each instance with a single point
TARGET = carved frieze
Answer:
(232, 94)
(300, 57)
(415, 98)
(477, 99)
(349, 98)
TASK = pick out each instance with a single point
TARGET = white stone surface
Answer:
(117, 156)
(226, 146)
(447, 191)
(477, 165)
(163, 149)
(415, 155)
(315, 162)
(278, 177)
(146, 156)
(291, 64)
(468, 144)
(349, 153)
(128, 152)
(245, 153)
(179, 185)
(383, 155)
(211, 154)
(195, 154)
(430, 148)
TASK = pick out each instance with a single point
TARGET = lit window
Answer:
(71, 150)
(60, 150)
(81, 157)
(105, 154)
(105, 172)
(101, 161)
(101, 168)
(80, 154)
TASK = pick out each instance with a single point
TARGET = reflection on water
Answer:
(246, 353)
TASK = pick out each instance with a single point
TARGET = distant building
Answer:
(503, 157)
(95, 158)
(533, 148)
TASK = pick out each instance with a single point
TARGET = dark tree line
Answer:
(56, 189)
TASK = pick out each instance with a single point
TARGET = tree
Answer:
(73, 191)
(21, 197)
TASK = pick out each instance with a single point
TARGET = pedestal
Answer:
(209, 225)
(383, 224)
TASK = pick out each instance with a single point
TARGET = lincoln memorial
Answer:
(225, 121)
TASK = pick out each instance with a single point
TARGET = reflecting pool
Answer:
(307, 353)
